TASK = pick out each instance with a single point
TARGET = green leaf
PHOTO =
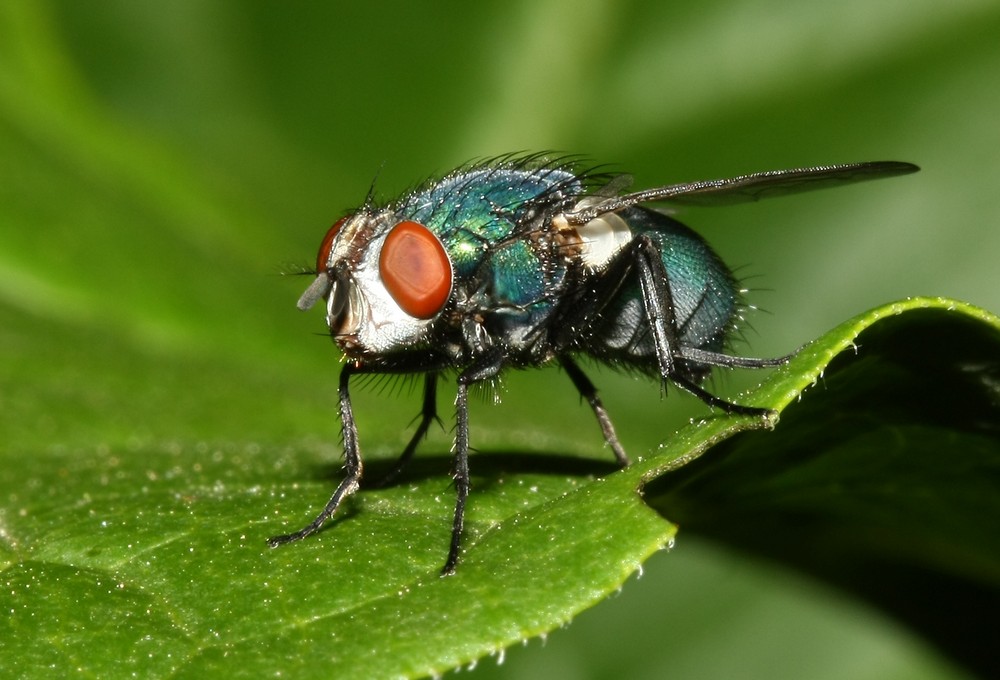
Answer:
(172, 535)
(163, 406)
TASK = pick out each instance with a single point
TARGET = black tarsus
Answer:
(352, 465)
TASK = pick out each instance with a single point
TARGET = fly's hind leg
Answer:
(658, 305)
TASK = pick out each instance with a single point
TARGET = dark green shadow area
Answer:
(883, 480)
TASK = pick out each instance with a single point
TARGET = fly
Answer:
(520, 261)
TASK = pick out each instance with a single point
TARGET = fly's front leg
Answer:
(352, 465)
(460, 473)
(589, 392)
(658, 305)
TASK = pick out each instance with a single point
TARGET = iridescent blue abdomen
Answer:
(704, 293)
(705, 299)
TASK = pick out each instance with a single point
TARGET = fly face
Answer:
(517, 261)
(384, 280)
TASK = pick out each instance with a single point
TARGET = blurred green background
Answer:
(161, 163)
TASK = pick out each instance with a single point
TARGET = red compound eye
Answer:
(415, 270)
(323, 258)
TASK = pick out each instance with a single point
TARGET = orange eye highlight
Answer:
(323, 258)
(415, 270)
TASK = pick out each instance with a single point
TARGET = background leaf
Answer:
(884, 481)
(161, 163)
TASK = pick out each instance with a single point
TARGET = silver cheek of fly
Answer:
(371, 321)
(598, 241)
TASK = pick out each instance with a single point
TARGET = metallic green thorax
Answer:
(496, 225)
(472, 211)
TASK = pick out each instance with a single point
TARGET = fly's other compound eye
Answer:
(415, 269)
(323, 257)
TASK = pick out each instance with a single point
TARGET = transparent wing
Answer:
(749, 188)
